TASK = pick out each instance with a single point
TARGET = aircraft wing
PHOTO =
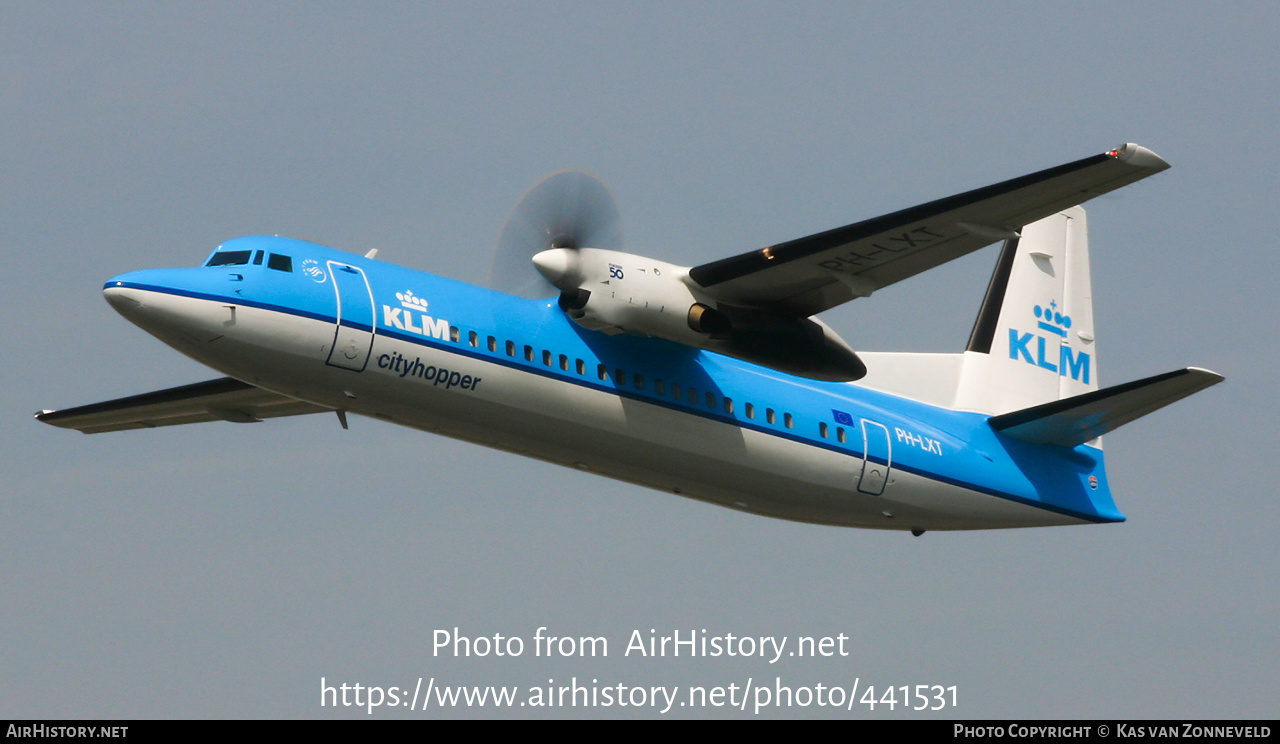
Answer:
(224, 399)
(815, 273)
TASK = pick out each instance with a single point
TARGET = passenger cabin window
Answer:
(279, 262)
(229, 258)
(790, 422)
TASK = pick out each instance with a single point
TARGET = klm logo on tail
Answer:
(1065, 360)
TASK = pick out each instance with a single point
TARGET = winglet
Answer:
(1076, 420)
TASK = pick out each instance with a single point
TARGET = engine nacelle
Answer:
(615, 292)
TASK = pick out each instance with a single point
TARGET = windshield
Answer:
(229, 258)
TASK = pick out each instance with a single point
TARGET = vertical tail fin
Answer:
(1033, 340)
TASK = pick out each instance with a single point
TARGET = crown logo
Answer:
(1051, 320)
(413, 303)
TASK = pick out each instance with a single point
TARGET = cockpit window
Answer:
(229, 258)
(279, 262)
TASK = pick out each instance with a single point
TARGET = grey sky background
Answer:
(221, 570)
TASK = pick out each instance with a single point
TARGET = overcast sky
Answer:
(222, 570)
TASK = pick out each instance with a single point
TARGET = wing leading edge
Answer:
(224, 399)
(815, 273)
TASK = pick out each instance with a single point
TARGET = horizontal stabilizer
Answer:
(224, 399)
(1076, 420)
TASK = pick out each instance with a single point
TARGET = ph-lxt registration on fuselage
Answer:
(716, 382)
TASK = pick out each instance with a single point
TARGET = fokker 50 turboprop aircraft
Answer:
(714, 382)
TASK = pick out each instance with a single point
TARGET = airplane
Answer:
(713, 382)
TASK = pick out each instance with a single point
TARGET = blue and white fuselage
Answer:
(515, 374)
(715, 382)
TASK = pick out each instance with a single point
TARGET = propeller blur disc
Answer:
(567, 209)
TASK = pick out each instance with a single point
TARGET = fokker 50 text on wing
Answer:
(715, 382)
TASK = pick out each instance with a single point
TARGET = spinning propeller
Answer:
(568, 210)
(564, 238)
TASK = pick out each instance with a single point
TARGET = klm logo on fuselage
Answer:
(1039, 351)
(412, 316)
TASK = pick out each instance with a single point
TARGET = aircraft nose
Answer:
(160, 302)
(120, 296)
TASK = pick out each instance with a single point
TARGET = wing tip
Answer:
(1207, 376)
(52, 417)
(1139, 156)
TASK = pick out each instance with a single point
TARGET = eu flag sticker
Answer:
(842, 417)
